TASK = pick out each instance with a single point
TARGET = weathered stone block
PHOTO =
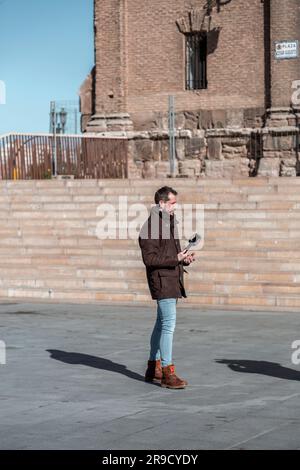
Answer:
(271, 154)
(288, 167)
(148, 122)
(180, 121)
(229, 155)
(214, 148)
(285, 155)
(190, 167)
(292, 121)
(235, 118)
(180, 149)
(205, 119)
(149, 170)
(287, 170)
(144, 150)
(268, 167)
(227, 168)
(215, 119)
(194, 147)
(135, 169)
(156, 152)
(231, 151)
(219, 119)
(186, 133)
(279, 142)
(165, 150)
(253, 117)
(234, 141)
(162, 169)
(191, 120)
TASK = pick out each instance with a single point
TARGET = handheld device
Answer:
(193, 241)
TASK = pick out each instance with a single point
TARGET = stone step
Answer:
(135, 253)
(232, 288)
(46, 185)
(49, 249)
(240, 302)
(210, 256)
(127, 234)
(197, 196)
(74, 283)
(210, 205)
(50, 226)
(147, 185)
(212, 265)
(193, 287)
(251, 200)
(26, 271)
(245, 181)
(209, 214)
(98, 194)
(247, 302)
(288, 242)
(62, 272)
(278, 245)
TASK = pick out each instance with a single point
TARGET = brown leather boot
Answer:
(153, 372)
(170, 379)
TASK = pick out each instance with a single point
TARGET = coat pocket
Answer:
(170, 272)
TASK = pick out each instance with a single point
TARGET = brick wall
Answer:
(110, 55)
(140, 60)
(156, 57)
(285, 25)
(140, 57)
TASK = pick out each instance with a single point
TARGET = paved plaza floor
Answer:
(74, 379)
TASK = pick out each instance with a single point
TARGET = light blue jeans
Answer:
(162, 336)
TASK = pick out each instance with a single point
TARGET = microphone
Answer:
(193, 241)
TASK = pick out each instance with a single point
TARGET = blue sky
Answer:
(46, 51)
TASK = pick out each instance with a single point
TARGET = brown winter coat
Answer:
(159, 253)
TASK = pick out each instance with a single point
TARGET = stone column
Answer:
(284, 26)
(280, 136)
(110, 26)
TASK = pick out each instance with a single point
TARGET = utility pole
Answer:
(172, 134)
(54, 152)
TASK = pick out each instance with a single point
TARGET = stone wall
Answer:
(280, 153)
(216, 153)
(204, 119)
(140, 58)
(243, 124)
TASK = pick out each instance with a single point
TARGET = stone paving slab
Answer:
(74, 379)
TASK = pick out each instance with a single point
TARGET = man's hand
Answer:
(189, 259)
(182, 255)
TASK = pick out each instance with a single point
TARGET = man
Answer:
(164, 261)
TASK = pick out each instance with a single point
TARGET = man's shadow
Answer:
(93, 361)
(271, 369)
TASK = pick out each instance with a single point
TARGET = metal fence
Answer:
(24, 156)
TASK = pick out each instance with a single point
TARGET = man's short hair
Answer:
(162, 194)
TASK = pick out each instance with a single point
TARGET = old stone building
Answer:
(233, 68)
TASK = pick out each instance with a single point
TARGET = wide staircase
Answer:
(250, 259)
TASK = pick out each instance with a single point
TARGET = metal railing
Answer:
(40, 156)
